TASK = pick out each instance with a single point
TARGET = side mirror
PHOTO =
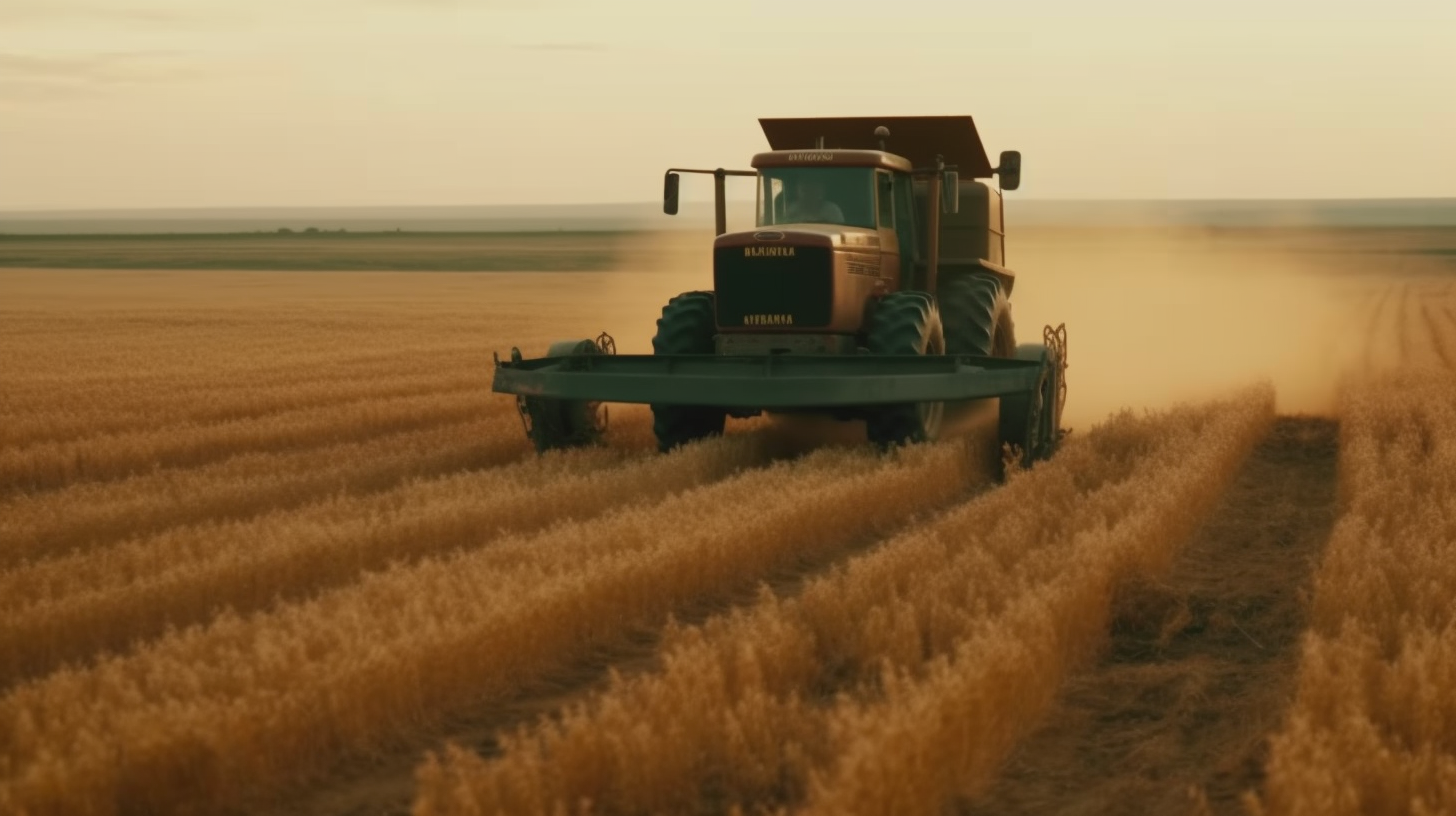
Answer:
(669, 193)
(1010, 169)
(950, 192)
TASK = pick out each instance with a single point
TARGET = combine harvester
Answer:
(872, 288)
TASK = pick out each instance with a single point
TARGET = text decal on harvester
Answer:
(768, 320)
(811, 157)
(768, 252)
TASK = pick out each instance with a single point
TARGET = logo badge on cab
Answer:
(770, 235)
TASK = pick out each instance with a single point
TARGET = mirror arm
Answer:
(713, 172)
(720, 206)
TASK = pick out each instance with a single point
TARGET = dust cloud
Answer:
(1158, 318)
(649, 270)
(1154, 317)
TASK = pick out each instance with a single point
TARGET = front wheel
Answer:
(905, 323)
(687, 326)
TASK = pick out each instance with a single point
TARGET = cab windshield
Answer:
(817, 195)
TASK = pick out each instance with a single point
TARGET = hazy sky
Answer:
(152, 103)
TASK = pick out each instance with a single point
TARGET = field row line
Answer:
(1443, 335)
(49, 465)
(67, 609)
(98, 422)
(149, 410)
(1372, 335)
(60, 387)
(210, 362)
(247, 704)
(897, 681)
(1370, 727)
(93, 514)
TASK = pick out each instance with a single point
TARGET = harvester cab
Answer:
(873, 286)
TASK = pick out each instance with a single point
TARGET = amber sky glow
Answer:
(163, 103)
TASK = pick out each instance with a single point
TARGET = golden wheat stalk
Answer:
(245, 704)
(1370, 730)
(91, 515)
(942, 646)
(64, 609)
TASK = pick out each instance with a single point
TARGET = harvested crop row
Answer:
(244, 328)
(65, 609)
(113, 350)
(51, 464)
(1388, 342)
(100, 346)
(193, 367)
(1436, 350)
(1374, 339)
(262, 512)
(1404, 327)
(896, 681)
(168, 388)
(45, 355)
(56, 523)
(93, 514)
(61, 406)
(176, 351)
(1416, 337)
(116, 416)
(1442, 318)
(1371, 730)
(246, 704)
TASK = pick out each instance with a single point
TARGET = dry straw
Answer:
(1371, 728)
(47, 465)
(899, 680)
(246, 704)
(64, 609)
(91, 515)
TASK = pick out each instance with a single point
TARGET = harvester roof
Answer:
(918, 138)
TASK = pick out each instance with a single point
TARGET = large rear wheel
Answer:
(976, 314)
(687, 326)
(905, 323)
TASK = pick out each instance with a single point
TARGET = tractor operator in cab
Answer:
(811, 208)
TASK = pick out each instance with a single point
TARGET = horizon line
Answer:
(51, 211)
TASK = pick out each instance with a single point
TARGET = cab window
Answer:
(885, 196)
(817, 195)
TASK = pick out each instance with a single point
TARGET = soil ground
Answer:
(1200, 666)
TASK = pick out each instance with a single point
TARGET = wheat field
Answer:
(1370, 729)
(268, 543)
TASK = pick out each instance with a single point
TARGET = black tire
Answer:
(1031, 422)
(556, 424)
(559, 424)
(976, 315)
(905, 323)
(687, 326)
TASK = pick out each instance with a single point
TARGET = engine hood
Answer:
(797, 235)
